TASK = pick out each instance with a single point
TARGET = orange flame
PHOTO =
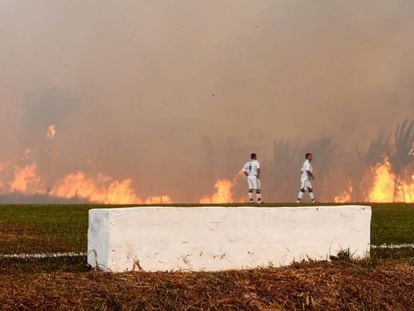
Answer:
(100, 190)
(383, 187)
(95, 189)
(26, 180)
(223, 193)
(407, 191)
(345, 196)
(387, 188)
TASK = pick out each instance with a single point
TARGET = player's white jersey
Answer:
(307, 166)
(252, 168)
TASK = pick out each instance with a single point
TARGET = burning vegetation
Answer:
(390, 173)
(223, 193)
(384, 172)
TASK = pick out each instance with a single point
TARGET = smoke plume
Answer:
(159, 98)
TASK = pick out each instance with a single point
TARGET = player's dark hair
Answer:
(307, 155)
(253, 156)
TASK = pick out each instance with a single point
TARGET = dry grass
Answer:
(338, 285)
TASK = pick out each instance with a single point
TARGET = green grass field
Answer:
(63, 228)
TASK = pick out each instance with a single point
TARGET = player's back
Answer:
(252, 167)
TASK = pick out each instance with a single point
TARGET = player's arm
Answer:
(258, 170)
(310, 174)
(307, 167)
(245, 170)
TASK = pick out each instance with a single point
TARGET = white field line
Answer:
(45, 255)
(72, 254)
(393, 246)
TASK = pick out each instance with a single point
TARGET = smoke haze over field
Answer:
(176, 94)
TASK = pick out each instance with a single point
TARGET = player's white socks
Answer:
(250, 196)
(259, 197)
(312, 196)
(300, 195)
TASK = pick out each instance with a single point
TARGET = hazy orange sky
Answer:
(154, 90)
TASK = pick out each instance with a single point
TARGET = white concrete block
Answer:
(223, 238)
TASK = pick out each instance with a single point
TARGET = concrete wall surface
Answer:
(223, 238)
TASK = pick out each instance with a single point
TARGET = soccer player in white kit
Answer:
(306, 175)
(252, 171)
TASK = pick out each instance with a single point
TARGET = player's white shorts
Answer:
(305, 184)
(253, 182)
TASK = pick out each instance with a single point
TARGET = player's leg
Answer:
(312, 195)
(301, 191)
(251, 185)
(258, 191)
(250, 195)
(310, 190)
